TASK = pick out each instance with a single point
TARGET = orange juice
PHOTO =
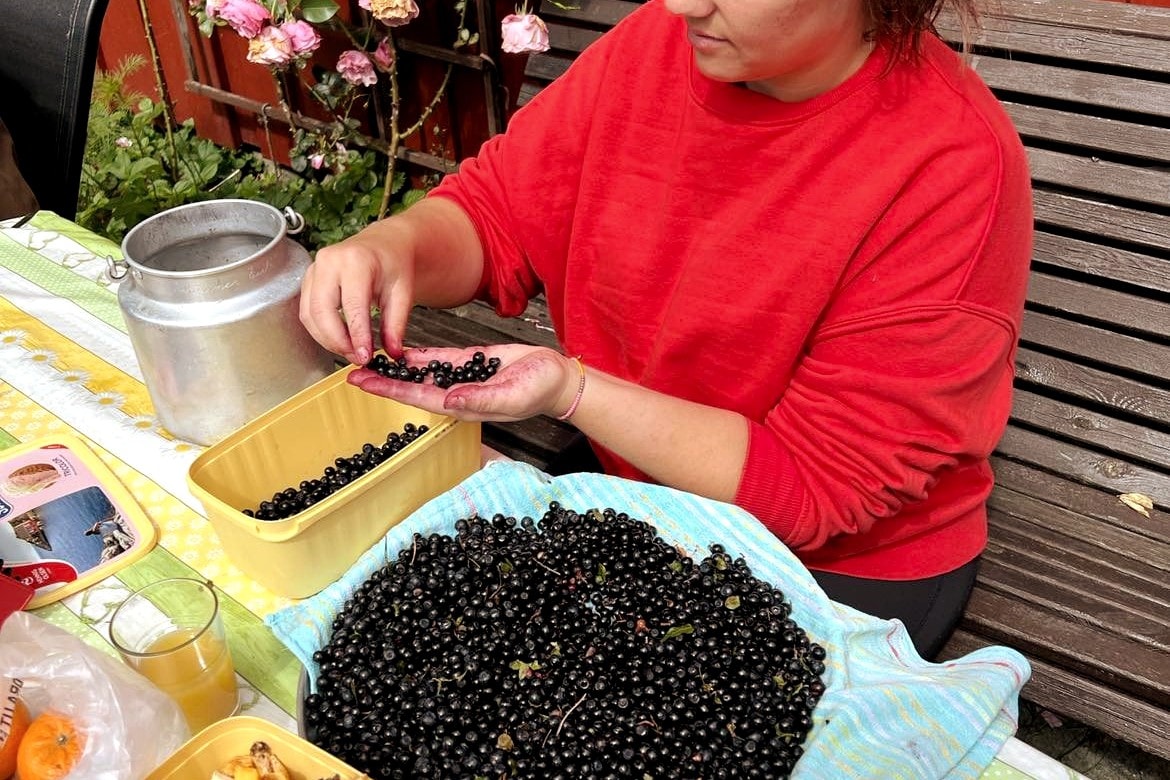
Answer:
(195, 672)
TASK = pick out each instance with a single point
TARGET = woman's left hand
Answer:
(530, 381)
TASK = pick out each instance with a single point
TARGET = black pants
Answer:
(929, 608)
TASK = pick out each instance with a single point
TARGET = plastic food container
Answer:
(66, 521)
(295, 441)
(211, 748)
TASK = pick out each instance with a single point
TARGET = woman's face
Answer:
(789, 49)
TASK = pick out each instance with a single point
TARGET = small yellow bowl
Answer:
(222, 741)
(296, 441)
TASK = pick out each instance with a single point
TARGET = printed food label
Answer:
(57, 522)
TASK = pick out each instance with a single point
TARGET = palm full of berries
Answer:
(501, 383)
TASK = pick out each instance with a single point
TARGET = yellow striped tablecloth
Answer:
(66, 365)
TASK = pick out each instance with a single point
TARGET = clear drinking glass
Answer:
(171, 632)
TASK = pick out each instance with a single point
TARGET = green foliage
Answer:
(134, 169)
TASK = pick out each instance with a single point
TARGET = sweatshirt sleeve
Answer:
(909, 374)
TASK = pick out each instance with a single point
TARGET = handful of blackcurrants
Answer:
(479, 368)
(288, 502)
(580, 646)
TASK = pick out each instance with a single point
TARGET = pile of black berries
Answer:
(582, 646)
(288, 502)
(479, 368)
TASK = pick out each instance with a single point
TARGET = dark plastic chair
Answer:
(48, 54)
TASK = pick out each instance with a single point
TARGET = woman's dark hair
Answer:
(901, 23)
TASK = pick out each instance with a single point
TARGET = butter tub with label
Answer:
(296, 441)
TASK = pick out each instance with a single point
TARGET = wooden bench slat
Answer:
(1079, 463)
(531, 327)
(1084, 299)
(1053, 494)
(1114, 712)
(1140, 563)
(564, 38)
(1123, 567)
(1122, 265)
(1096, 387)
(528, 90)
(1071, 16)
(1078, 87)
(1096, 344)
(1090, 428)
(1102, 46)
(1090, 174)
(1087, 650)
(546, 66)
(1094, 132)
(1105, 220)
(1039, 581)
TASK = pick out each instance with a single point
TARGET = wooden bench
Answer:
(1073, 578)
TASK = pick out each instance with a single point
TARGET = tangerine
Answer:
(14, 720)
(51, 747)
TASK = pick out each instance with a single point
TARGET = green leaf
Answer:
(524, 669)
(318, 11)
(412, 197)
(142, 165)
(676, 631)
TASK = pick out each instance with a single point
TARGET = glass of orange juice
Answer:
(171, 632)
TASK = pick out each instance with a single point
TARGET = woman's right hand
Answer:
(373, 268)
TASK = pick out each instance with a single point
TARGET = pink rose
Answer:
(246, 17)
(272, 47)
(524, 33)
(316, 160)
(356, 68)
(302, 36)
(384, 55)
(392, 13)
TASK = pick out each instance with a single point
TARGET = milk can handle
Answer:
(296, 223)
(116, 269)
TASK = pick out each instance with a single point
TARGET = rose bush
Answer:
(285, 36)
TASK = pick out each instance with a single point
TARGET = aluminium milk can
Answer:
(210, 293)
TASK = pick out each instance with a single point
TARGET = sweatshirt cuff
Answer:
(769, 487)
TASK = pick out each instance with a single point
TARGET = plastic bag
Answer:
(129, 725)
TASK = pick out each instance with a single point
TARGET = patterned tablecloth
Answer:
(66, 365)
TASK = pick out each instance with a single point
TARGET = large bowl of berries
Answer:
(573, 645)
(297, 494)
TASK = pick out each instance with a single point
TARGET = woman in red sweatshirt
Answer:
(788, 239)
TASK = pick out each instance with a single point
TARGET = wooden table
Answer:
(66, 365)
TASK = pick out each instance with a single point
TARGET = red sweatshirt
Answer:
(847, 272)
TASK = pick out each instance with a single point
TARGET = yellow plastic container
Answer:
(295, 441)
(218, 743)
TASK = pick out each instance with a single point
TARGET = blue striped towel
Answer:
(886, 713)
